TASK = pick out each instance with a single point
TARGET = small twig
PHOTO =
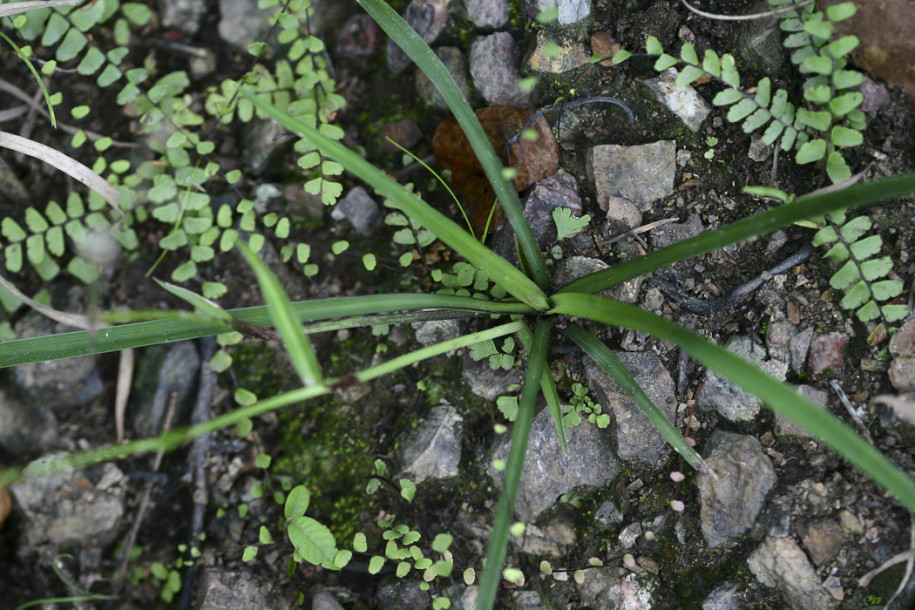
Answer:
(131, 537)
(637, 230)
(719, 17)
(125, 376)
(852, 411)
(62, 317)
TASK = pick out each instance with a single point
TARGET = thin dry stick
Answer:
(125, 376)
(8, 10)
(73, 168)
(638, 230)
(144, 502)
(63, 317)
(18, 93)
(744, 17)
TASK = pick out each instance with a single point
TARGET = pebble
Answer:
(164, 374)
(487, 13)
(555, 539)
(821, 539)
(731, 503)
(456, 65)
(184, 15)
(241, 22)
(778, 339)
(798, 346)
(902, 348)
(404, 132)
(786, 427)
(555, 55)
(683, 101)
(401, 593)
(615, 587)
(486, 382)
(494, 68)
(262, 145)
(360, 210)
(428, 19)
(569, 11)
(360, 36)
(780, 563)
(636, 437)
(26, 430)
(433, 448)
(725, 597)
(436, 331)
(66, 510)
(642, 174)
(221, 589)
(666, 235)
(826, 353)
(547, 473)
(729, 400)
(622, 212)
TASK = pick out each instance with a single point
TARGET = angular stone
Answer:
(616, 587)
(487, 13)
(902, 348)
(642, 174)
(636, 437)
(494, 68)
(683, 101)
(728, 399)
(436, 331)
(456, 65)
(428, 19)
(826, 353)
(731, 502)
(433, 449)
(780, 563)
(569, 11)
(570, 55)
(547, 473)
(486, 382)
(786, 426)
(360, 210)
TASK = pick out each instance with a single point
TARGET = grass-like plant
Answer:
(539, 312)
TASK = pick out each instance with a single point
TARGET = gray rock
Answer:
(902, 348)
(826, 353)
(547, 474)
(67, 510)
(668, 234)
(527, 600)
(623, 212)
(402, 593)
(731, 502)
(433, 449)
(220, 589)
(25, 430)
(778, 339)
(821, 538)
(759, 151)
(798, 346)
(260, 147)
(550, 540)
(780, 563)
(641, 174)
(487, 383)
(575, 267)
(487, 13)
(786, 426)
(162, 374)
(760, 44)
(636, 437)
(683, 101)
(11, 188)
(570, 11)
(360, 36)
(725, 597)
(184, 15)
(729, 400)
(324, 600)
(67, 382)
(360, 210)
(456, 65)
(436, 331)
(242, 23)
(494, 68)
(428, 19)
(608, 514)
(613, 587)
(570, 55)
(557, 191)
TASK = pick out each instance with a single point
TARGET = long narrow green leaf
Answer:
(499, 269)
(201, 304)
(801, 209)
(548, 387)
(498, 541)
(301, 353)
(780, 397)
(181, 436)
(414, 46)
(609, 361)
(347, 312)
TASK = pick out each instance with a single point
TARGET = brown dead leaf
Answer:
(533, 159)
(5, 504)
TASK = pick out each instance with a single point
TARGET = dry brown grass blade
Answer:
(14, 8)
(71, 167)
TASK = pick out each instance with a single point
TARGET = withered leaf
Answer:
(532, 159)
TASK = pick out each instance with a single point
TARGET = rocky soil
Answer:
(621, 520)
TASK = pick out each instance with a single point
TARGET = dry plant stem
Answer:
(16, 92)
(8, 10)
(131, 537)
(743, 17)
(637, 230)
(68, 319)
(852, 411)
(125, 377)
(71, 167)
